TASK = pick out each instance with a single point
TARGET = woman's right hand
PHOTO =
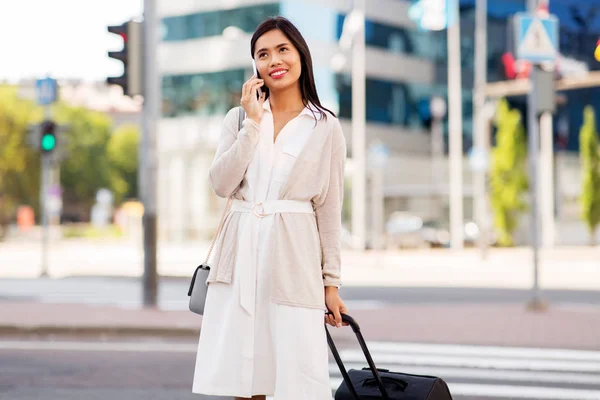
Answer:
(250, 101)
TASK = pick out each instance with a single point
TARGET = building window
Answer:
(423, 44)
(205, 24)
(205, 94)
(393, 103)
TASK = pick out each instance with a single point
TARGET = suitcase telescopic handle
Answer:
(363, 345)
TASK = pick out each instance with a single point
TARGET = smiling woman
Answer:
(277, 263)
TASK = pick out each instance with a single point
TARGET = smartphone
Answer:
(255, 72)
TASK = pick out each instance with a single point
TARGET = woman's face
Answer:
(277, 60)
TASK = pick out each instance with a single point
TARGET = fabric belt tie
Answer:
(248, 243)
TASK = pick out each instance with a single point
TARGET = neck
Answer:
(286, 100)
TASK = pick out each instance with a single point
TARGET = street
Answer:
(156, 369)
(399, 324)
(431, 314)
(127, 292)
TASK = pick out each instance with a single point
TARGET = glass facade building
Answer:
(394, 103)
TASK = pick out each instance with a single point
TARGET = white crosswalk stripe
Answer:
(490, 372)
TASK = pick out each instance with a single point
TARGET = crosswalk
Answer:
(488, 372)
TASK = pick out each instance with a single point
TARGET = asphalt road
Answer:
(127, 292)
(161, 370)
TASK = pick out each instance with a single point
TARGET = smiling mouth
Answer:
(278, 74)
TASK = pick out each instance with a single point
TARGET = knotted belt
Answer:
(248, 242)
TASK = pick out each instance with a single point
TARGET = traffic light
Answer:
(597, 51)
(131, 56)
(47, 136)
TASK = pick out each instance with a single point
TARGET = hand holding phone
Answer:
(253, 103)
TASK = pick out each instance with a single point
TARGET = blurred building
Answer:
(95, 96)
(204, 64)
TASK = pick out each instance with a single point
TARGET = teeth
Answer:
(278, 73)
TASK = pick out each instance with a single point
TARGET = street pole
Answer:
(438, 109)
(46, 165)
(377, 207)
(536, 302)
(358, 131)
(533, 144)
(148, 153)
(455, 129)
(547, 180)
(479, 122)
(546, 171)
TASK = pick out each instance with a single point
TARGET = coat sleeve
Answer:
(329, 215)
(234, 153)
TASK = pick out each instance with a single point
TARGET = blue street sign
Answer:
(536, 37)
(46, 90)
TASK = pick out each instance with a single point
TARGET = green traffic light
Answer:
(48, 142)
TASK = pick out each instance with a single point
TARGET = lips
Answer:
(278, 73)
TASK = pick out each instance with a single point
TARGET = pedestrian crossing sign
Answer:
(536, 37)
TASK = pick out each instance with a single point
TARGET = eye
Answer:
(283, 48)
(261, 54)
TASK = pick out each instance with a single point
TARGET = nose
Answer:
(275, 60)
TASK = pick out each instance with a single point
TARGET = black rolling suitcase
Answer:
(374, 384)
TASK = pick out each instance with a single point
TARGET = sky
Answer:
(63, 38)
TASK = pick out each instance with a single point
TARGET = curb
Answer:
(119, 331)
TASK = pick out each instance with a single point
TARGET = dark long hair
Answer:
(307, 78)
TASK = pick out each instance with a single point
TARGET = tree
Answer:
(590, 160)
(86, 167)
(122, 153)
(89, 163)
(19, 164)
(508, 173)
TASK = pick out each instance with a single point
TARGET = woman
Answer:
(276, 266)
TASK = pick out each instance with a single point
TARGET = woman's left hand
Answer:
(334, 303)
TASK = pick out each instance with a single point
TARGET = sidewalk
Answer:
(561, 268)
(474, 324)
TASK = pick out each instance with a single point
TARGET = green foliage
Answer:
(95, 157)
(590, 160)
(123, 155)
(19, 164)
(86, 167)
(508, 173)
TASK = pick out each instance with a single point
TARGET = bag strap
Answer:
(241, 117)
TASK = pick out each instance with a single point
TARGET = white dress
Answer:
(279, 350)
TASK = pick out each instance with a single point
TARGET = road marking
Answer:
(488, 368)
(474, 373)
(487, 351)
(523, 392)
(477, 362)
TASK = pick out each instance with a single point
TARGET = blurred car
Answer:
(437, 234)
(406, 230)
(403, 230)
